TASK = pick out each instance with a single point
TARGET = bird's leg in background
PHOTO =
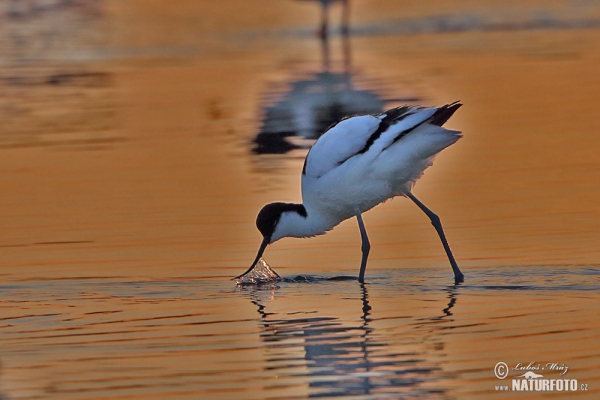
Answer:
(345, 16)
(437, 224)
(366, 247)
(324, 22)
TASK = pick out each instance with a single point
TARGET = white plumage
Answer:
(357, 164)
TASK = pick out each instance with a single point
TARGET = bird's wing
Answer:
(428, 138)
(370, 134)
(356, 135)
(342, 141)
(396, 123)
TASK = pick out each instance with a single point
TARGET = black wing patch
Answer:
(391, 117)
(444, 113)
(439, 118)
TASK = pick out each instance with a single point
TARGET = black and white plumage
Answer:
(357, 164)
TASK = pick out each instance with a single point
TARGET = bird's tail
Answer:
(444, 113)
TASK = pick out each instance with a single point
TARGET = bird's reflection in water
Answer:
(315, 102)
(345, 355)
(452, 293)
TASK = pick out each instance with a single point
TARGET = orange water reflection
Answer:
(129, 192)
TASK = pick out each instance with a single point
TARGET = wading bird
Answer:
(357, 164)
(324, 28)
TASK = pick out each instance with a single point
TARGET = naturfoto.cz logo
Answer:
(530, 378)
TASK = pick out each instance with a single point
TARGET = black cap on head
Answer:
(269, 215)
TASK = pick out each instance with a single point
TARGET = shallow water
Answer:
(404, 333)
(138, 141)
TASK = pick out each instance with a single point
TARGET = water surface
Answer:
(139, 140)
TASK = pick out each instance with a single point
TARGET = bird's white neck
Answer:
(292, 224)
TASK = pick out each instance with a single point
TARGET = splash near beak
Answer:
(261, 250)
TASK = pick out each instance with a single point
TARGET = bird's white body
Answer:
(340, 182)
(357, 164)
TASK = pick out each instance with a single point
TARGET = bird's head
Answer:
(267, 219)
(272, 221)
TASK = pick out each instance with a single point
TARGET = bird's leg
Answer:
(345, 17)
(366, 247)
(324, 17)
(437, 224)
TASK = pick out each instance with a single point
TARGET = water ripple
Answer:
(405, 333)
